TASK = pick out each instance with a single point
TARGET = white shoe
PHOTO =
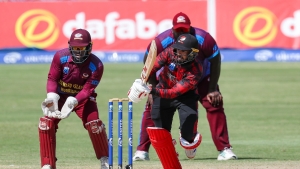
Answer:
(227, 154)
(190, 153)
(104, 162)
(46, 167)
(141, 156)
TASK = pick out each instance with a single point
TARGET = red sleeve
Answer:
(54, 74)
(188, 83)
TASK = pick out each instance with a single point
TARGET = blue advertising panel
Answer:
(33, 56)
(260, 55)
(37, 56)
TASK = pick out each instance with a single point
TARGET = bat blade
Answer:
(149, 62)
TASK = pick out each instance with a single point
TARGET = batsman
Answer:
(180, 71)
(73, 76)
(208, 88)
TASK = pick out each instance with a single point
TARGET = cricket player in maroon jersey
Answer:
(73, 76)
(180, 73)
(208, 88)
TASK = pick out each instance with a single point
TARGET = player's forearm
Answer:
(83, 95)
(215, 70)
(51, 86)
(54, 75)
(174, 92)
(86, 92)
(164, 93)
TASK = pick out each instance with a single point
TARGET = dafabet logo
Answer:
(255, 26)
(37, 28)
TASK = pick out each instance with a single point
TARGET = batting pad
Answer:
(98, 137)
(162, 142)
(47, 142)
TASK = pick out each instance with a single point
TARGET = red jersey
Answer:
(68, 78)
(175, 80)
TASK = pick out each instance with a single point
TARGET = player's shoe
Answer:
(227, 154)
(104, 162)
(141, 156)
(46, 167)
(190, 153)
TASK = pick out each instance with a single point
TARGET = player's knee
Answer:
(213, 109)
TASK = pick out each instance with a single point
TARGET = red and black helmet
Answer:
(186, 42)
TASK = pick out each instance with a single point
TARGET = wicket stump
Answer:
(120, 132)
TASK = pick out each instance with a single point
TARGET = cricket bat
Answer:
(149, 62)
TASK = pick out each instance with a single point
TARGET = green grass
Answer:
(261, 103)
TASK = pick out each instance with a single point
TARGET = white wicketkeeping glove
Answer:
(68, 107)
(50, 105)
(138, 91)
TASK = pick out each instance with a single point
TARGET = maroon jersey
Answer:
(68, 78)
(175, 80)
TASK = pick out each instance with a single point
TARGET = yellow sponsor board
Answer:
(245, 22)
(27, 24)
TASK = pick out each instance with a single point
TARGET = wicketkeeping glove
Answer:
(138, 91)
(68, 107)
(50, 105)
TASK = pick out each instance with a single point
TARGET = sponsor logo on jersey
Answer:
(85, 75)
(66, 70)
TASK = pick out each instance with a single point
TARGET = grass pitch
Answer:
(261, 103)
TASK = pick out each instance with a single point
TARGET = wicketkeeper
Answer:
(73, 76)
